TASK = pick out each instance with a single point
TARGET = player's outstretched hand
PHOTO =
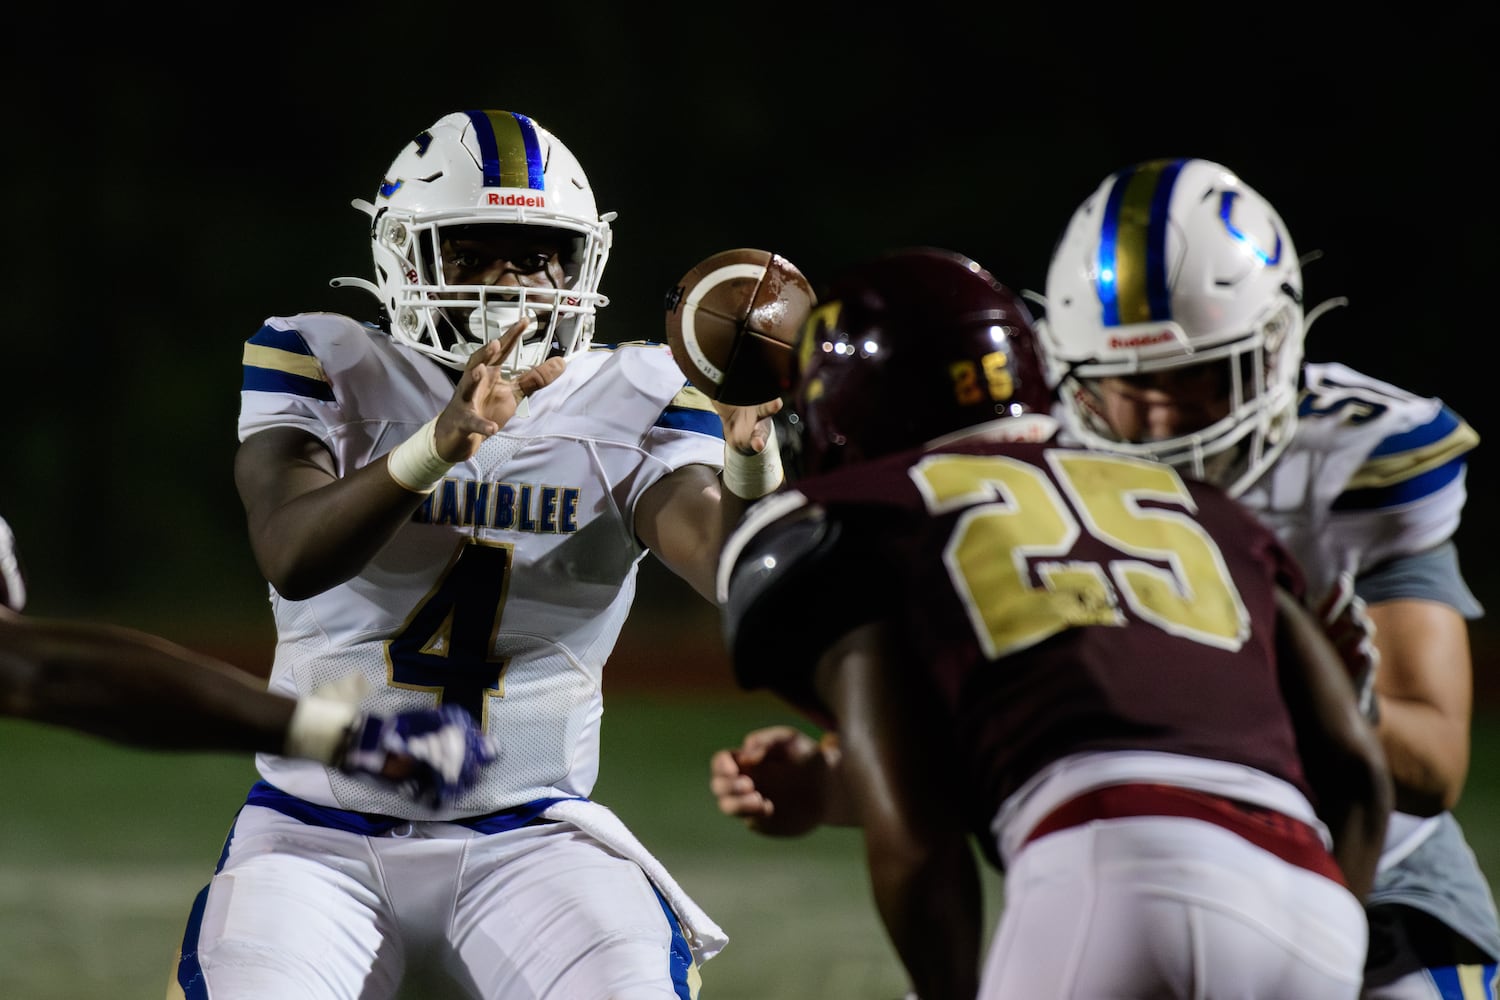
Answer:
(779, 780)
(433, 755)
(484, 399)
(748, 429)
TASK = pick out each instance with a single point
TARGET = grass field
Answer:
(103, 848)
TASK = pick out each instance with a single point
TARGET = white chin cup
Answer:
(491, 322)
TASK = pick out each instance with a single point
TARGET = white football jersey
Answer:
(1373, 472)
(508, 588)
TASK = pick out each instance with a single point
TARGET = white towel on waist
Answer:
(704, 937)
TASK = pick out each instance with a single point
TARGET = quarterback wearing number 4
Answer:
(454, 503)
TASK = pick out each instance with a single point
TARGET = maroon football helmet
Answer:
(908, 347)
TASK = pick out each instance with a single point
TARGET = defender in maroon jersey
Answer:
(1100, 670)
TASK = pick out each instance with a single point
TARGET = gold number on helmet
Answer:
(965, 380)
(998, 384)
(997, 373)
(1019, 527)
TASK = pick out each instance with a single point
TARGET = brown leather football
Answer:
(733, 321)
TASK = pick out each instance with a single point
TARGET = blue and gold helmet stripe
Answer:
(280, 361)
(508, 146)
(1132, 265)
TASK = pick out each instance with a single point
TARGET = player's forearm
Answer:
(1358, 830)
(107, 681)
(1428, 754)
(931, 906)
(838, 802)
(325, 537)
(1425, 699)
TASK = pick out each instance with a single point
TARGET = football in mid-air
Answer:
(732, 323)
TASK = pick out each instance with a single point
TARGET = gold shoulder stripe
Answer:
(693, 398)
(292, 363)
(1392, 469)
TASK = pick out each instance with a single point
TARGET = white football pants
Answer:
(303, 912)
(1165, 907)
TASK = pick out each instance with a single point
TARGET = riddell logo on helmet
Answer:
(537, 200)
(1142, 339)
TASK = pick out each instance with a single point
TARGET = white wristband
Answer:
(751, 477)
(319, 728)
(415, 463)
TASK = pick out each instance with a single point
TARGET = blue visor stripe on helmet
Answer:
(508, 147)
(1132, 265)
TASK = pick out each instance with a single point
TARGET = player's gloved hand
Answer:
(1348, 625)
(433, 755)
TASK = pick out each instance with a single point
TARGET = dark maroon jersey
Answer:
(1059, 600)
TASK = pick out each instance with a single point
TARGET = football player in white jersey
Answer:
(454, 502)
(1174, 329)
(144, 691)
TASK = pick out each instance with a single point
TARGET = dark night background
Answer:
(173, 178)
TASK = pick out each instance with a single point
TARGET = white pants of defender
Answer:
(302, 912)
(1165, 907)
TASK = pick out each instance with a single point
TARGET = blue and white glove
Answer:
(433, 755)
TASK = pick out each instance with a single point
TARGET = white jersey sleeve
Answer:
(507, 590)
(1373, 473)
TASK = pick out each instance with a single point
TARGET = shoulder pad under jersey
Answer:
(786, 573)
(308, 355)
(643, 372)
(1389, 446)
(1387, 464)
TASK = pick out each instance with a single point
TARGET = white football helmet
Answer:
(484, 167)
(1172, 263)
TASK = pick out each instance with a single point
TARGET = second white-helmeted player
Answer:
(1174, 329)
(455, 503)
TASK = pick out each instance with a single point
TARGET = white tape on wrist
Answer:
(415, 463)
(319, 728)
(751, 477)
